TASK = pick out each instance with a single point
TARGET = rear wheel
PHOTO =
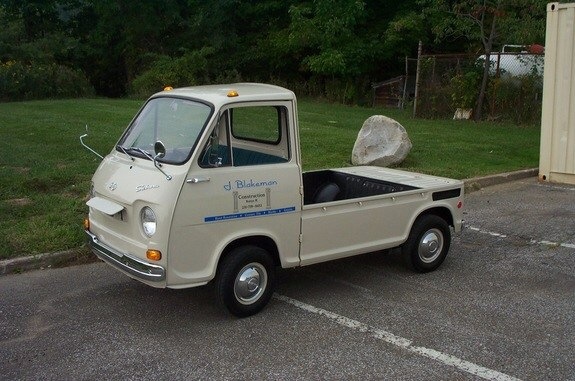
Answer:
(245, 280)
(428, 243)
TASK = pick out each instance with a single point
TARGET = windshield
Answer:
(176, 122)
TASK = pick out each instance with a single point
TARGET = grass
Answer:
(451, 148)
(46, 173)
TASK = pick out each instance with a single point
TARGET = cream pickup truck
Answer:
(206, 185)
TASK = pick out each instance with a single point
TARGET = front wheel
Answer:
(245, 280)
(428, 243)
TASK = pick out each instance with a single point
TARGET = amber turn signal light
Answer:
(86, 224)
(153, 255)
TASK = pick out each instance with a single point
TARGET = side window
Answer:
(248, 135)
(260, 124)
(259, 135)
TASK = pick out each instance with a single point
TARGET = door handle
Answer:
(196, 180)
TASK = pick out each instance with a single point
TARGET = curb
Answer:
(477, 183)
(64, 258)
(82, 255)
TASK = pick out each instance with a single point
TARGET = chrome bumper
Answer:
(138, 269)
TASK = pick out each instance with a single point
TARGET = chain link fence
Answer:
(449, 86)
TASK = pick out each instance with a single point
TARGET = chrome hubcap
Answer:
(250, 283)
(430, 246)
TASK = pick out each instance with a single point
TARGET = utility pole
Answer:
(419, 48)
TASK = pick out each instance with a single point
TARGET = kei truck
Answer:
(206, 185)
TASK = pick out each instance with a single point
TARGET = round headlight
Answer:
(148, 219)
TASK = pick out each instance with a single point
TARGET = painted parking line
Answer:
(531, 241)
(493, 234)
(390, 338)
(563, 188)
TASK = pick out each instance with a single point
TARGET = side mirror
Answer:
(159, 149)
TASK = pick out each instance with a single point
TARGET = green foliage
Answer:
(39, 17)
(19, 81)
(505, 21)
(187, 70)
(464, 87)
(517, 99)
(327, 28)
(487, 23)
(33, 54)
(328, 48)
(453, 82)
(405, 31)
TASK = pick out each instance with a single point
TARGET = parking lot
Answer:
(501, 307)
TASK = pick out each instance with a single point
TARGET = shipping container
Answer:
(557, 156)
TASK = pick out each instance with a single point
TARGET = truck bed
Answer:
(358, 182)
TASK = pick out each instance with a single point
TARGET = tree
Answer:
(39, 16)
(487, 22)
(36, 52)
(339, 46)
(322, 33)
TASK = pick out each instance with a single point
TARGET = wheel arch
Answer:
(262, 241)
(439, 211)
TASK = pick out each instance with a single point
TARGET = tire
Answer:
(245, 280)
(427, 244)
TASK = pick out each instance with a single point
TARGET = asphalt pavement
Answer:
(501, 307)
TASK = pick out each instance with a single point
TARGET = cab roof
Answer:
(221, 94)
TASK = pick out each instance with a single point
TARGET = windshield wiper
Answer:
(142, 151)
(153, 159)
(124, 151)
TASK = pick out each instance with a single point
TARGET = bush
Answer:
(465, 87)
(187, 70)
(20, 81)
(517, 99)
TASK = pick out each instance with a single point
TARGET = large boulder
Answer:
(381, 141)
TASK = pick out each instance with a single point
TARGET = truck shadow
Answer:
(132, 303)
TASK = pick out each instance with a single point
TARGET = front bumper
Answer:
(134, 267)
